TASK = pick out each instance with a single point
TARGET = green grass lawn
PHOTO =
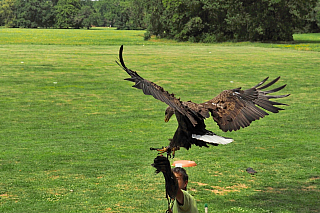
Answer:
(75, 137)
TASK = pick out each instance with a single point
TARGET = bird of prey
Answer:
(231, 110)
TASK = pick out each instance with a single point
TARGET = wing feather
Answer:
(268, 84)
(233, 109)
(150, 88)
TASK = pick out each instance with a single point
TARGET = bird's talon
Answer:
(161, 150)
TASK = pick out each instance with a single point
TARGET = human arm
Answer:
(162, 164)
(180, 197)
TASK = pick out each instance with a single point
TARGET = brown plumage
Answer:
(231, 110)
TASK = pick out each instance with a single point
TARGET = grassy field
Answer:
(75, 137)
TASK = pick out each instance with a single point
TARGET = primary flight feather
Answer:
(231, 110)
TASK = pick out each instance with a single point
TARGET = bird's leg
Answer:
(160, 150)
(163, 150)
(174, 149)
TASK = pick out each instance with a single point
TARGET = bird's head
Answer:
(169, 112)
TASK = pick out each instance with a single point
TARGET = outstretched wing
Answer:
(233, 109)
(150, 88)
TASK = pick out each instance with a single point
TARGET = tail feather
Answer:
(213, 139)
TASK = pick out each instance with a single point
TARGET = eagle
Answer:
(231, 110)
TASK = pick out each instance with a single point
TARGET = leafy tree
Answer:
(317, 13)
(7, 15)
(220, 20)
(153, 18)
(131, 15)
(313, 21)
(109, 12)
(183, 20)
(123, 14)
(33, 13)
(86, 17)
(66, 12)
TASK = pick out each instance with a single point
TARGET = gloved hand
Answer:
(162, 164)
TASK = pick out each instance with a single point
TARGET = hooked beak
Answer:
(167, 118)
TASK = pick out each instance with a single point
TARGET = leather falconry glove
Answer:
(162, 164)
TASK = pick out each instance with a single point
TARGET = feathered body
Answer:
(231, 110)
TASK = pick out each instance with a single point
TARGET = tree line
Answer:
(182, 20)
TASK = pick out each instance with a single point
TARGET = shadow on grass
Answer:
(100, 28)
(312, 38)
(296, 41)
(303, 198)
(306, 42)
